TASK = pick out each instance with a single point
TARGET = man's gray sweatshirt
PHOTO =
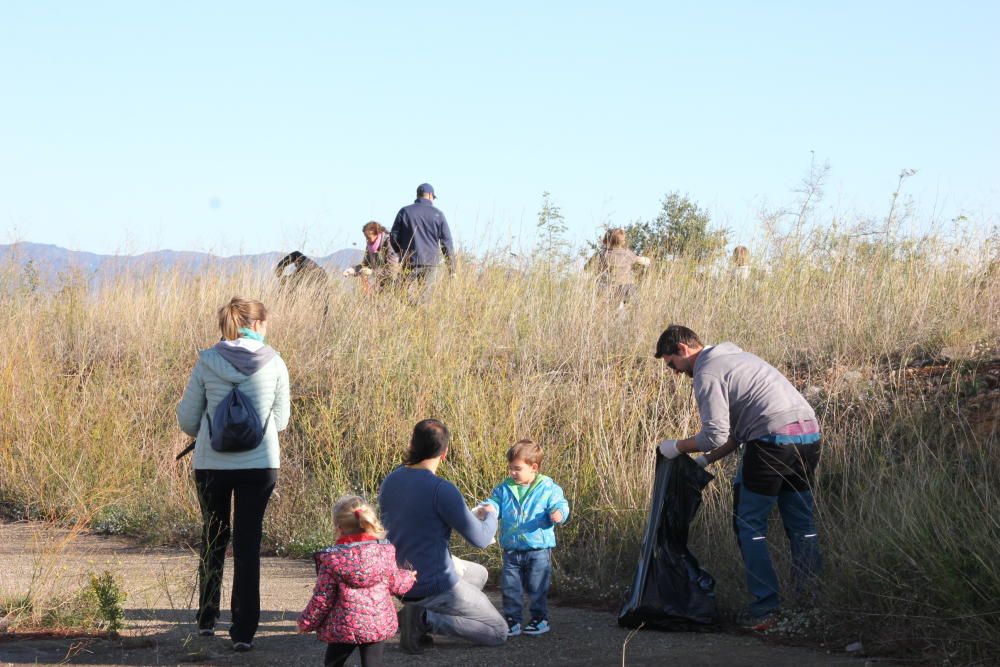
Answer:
(740, 394)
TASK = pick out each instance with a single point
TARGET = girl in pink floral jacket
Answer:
(352, 603)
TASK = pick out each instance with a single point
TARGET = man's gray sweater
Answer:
(740, 394)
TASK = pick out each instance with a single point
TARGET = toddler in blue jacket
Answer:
(529, 505)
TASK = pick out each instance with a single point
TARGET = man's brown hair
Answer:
(525, 450)
(673, 336)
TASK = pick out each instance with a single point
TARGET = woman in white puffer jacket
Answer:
(243, 479)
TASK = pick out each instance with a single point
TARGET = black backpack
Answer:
(237, 425)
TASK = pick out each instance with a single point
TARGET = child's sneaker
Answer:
(513, 627)
(538, 626)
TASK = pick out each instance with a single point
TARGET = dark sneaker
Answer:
(242, 647)
(513, 627)
(206, 632)
(538, 626)
(411, 629)
(757, 622)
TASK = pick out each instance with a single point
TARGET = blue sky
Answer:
(251, 126)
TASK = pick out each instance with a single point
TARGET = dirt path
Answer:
(160, 587)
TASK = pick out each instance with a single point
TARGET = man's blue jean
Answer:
(752, 510)
(526, 572)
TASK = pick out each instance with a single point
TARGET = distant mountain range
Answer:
(51, 260)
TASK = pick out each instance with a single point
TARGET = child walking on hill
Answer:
(613, 264)
(356, 578)
(528, 505)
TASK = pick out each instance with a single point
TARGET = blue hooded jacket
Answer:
(525, 524)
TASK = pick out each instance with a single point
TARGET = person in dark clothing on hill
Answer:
(296, 269)
(420, 234)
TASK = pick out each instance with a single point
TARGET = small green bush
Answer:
(95, 607)
(102, 600)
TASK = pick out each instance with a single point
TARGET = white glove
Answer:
(669, 449)
(349, 272)
(701, 461)
(365, 271)
(482, 509)
(643, 261)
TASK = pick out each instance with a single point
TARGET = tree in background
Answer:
(680, 230)
(552, 245)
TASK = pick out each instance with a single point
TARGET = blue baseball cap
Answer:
(426, 189)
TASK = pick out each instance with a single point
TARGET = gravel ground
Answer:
(160, 585)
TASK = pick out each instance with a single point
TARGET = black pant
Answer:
(337, 654)
(769, 469)
(217, 489)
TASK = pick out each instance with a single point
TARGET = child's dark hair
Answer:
(430, 439)
(525, 450)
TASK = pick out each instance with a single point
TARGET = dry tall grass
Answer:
(910, 488)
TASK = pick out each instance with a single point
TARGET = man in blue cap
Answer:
(420, 233)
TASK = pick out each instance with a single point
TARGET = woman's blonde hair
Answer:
(741, 256)
(352, 515)
(615, 238)
(240, 312)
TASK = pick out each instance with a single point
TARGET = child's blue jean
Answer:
(526, 572)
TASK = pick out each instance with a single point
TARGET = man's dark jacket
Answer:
(420, 232)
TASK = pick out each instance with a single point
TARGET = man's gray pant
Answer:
(465, 611)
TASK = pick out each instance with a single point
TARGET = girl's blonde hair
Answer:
(352, 515)
(615, 238)
(240, 312)
(741, 256)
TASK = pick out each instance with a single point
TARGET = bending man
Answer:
(743, 400)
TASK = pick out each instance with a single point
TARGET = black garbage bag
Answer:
(670, 591)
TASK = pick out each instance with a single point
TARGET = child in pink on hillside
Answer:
(352, 606)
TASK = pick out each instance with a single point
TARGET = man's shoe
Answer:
(411, 628)
(757, 622)
(513, 627)
(242, 647)
(538, 626)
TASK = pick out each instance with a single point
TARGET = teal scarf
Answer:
(244, 332)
